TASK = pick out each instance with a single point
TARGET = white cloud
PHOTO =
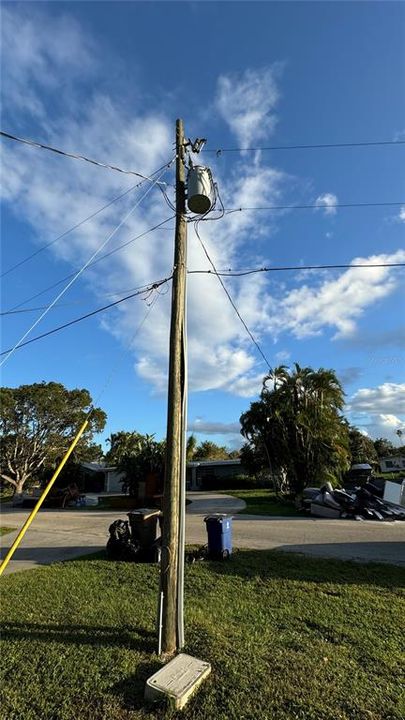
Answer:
(382, 426)
(386, 400)
(327, 202)
(379, 411)
(401, 215)
(246, 101)
(249, 385)
(52, 194)
(339, 302)
(46, 55)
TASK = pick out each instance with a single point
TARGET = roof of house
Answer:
(98, 467)
(393, 457)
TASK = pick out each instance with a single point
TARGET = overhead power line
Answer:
(79, 224)
(116, 368)
(231, 273)
(316, 206)
(64, 305)
(154, 286)
(99, 259)
(227, 211)
(67, 232)
(74, 156)
(318, 146)
(241, 273)
(231, 300)
(86, 264)
(150, 288)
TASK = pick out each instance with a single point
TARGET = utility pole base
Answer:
(177, 681)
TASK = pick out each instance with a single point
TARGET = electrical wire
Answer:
(231, 299)
(316, 206)
(167, 199)
(77, 275)
(75, 227)
(63, 305)
(149, 289)
(319, 146)
(74, 156)
(115, 369)
(155, 286)
(241, 273)
(99, 259)
(232, 273)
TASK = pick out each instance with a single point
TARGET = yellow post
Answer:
(41, 499)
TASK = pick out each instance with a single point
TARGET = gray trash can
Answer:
(145, 526)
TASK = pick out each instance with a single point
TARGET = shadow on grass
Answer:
(46, 555)
(268, 564)
(129, 636)
(130, 691)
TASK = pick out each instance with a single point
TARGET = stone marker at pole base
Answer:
(177, 681)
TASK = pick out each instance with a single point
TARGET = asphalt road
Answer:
(57, 535)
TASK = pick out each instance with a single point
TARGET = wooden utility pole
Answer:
(171, 497)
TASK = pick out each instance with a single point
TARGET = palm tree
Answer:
(278, 375)
(299, 421)
(191, 447)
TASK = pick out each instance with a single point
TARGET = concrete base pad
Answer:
(177, 681)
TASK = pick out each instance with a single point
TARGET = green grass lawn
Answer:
(264, 502)
(288, 638)
(5, 530)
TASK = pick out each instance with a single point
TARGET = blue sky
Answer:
(108, 80)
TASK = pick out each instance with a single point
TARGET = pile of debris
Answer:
(137, 539)
(360, 503)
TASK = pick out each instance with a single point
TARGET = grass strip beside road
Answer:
(264, 502)
(288, 637)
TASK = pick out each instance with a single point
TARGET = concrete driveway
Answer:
(58, 535)
(207, 503)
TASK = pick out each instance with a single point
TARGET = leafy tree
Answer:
(37, 424)
(384, 447)
(253, 458)
(362, 448)
(143, 457)
(208, 450)
(297, 426)
(191, 447)
(122, 444)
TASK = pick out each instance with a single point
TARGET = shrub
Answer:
(231, 482)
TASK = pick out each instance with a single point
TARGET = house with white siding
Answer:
(392, 464)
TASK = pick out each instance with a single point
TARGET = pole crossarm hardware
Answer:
(32, 515)
(173, 496)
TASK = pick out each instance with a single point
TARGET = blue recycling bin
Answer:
(219, 530)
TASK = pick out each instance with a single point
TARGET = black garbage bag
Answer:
(120, 545)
